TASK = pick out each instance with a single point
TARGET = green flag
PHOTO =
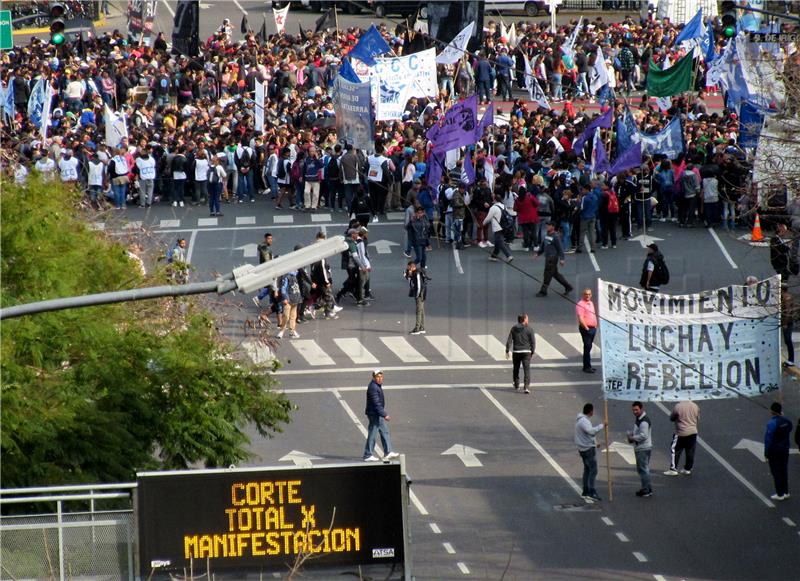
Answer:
(674, 80)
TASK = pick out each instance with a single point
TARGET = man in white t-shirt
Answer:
(46, 166)
(201, 165)
(378, 189)
(68, 167)
(97, 172)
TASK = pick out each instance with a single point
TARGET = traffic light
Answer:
(57, 23)
(728, 14)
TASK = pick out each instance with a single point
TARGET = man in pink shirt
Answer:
(587, 325)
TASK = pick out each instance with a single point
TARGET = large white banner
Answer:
(397, 79)
(116, 127)
(259, 118)
(713, 344)
(453, 52)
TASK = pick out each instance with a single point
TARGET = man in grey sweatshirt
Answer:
(585, 439)
(642, 442)
(522, 343)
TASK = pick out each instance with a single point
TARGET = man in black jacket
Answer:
(783, 252)
(376, 413)
(522, 344)
(417, 290)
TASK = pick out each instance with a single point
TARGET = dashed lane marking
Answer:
(463, 568)
(640, 557)
(607, 521)
(435, 528)
(623, 538)
(789, 521)
(449, 548)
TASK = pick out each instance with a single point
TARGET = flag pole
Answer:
(336, 18)
(608, 452)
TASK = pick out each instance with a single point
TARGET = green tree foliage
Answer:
(95, 394)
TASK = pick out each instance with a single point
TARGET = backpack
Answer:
(613, 202)
(387, 178)
(506, 223)
(245, 158)
(293, 294)
(296, 172)
(281, 173)
(689, 183)
(170, 255)
(660, 270)
(213, 176)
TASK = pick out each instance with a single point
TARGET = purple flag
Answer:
(457, 128)
(433, 176)
(599, 156)
(605, 120)
(468, 171)
(486, 121)
(630, 158)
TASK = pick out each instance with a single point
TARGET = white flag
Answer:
(535, 92)
(453, 52)
(664, 103)
(511, 35)
(280, 18)
(259, 106)
(48, 99)
(116, 127)
(599, 73)
(569, 46)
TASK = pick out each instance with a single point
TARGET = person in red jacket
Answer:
(527, 209)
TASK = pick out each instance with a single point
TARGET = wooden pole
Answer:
(608, 452)
(336, 18)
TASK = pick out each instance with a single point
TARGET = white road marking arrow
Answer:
(466, 454)
(383, 246)
(624, 450)
(249, 250)
(299, 458)
(644, 240)
(757, 448)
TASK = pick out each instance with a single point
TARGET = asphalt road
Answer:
(513, 503)
(520, 507)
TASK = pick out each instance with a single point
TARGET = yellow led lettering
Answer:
(266, 493)
(313, 544)
(355, 536)
(231, 512)
(299, 545)
(309, 521)
(220, 545)
(242, 540)
(337, 540)
(293, 492)
(235, 500)
(190, 547)
(258, 544)
(281, 486)
(284, 524)
(274, 544)
(253, 496)
(206, 547)
(245, 519)
(287, 537)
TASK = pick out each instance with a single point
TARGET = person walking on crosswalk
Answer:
(553, 257)
(417, 290)
(378, 418)
(587, 325)
(521, 345)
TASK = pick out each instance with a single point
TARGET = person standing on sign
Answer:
(776, 450)
(378, 418)
(522, 343)
(641, 438)
(585, 439)
(685, 414)
(587, 325)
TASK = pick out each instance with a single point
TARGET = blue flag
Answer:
(605, 120)
(36, 102)
(9, 108)
(347, 72)
(751, 117)
(693, 28)
(627, 131)
(669, 141)
(707, 44)
(370, 45)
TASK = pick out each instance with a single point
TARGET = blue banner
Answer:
(354, 123)
(457, 128)
(751, 119)
(36, 102)
(669, 141)
(347, 72)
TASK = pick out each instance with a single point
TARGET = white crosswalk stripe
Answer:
(169, 224)
(544, 350)
(136, 225)
(283, 219)
(97, 225)
(207, 222)
(356, 351)
(320, 217)
(258, 352)
(395, 215)
(492, 345)
(576, 341)
(245, 220)
(311, 352)
(403, 349)
(448, 348)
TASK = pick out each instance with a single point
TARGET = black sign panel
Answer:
(262, 519)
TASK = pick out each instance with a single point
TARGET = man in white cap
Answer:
(378, 418)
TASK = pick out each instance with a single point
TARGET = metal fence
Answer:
(36, 13)
(80, 532)
(594, 5)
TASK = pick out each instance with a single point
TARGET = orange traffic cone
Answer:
(757, 235)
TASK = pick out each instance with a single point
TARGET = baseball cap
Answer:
(377, 372)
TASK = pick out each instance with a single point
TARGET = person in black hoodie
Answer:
(776, 450)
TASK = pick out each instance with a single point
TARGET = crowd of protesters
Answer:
(191, 136)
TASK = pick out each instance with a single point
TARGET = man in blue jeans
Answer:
(376, 412)
(640, 437)
(586, 441)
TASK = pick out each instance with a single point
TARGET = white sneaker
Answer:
(671, 473)
(374, 219)
(779, 497)
(279, 335)
(372, 458)
(337, 308)
(256, 302)
(687, 472)
(180, 204)
(294, 334)
(174, 204)
(391, 456)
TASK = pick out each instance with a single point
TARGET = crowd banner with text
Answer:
(397, 79)
(354, 114)
(457, 128)
(713, 344)
(141, 15)
(259, 119)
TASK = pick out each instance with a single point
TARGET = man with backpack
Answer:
(292, 297)
(654, 270)
(312, 176)
(501, 224)
(244, 164)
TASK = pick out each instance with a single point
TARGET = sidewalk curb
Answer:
(24, 31)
